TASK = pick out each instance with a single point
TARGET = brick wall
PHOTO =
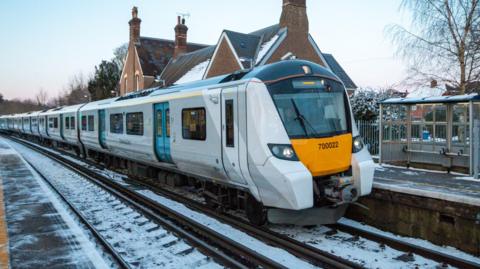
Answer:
(224, 61)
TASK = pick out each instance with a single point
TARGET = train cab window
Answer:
(72, 123)
(67, 123)
(159, 123)
(116, 123)
(229, 118)
(84, 123)
(91, 122)
(194, 125)
(135, 123)
(167, 121)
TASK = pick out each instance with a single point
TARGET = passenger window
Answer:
(159, 123)
(55, 123)
(135, 123)
(116, 123)
(91, 123)
(167, 120)
(67, 123)
(229, 121)
(72, 123)
(194, 124)
(84, 123)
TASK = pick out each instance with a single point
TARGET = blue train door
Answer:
(161, 115)
(102, 136)
(61, 126)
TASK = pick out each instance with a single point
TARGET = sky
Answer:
(43, 44)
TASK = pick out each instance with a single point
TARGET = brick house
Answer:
(176, 61)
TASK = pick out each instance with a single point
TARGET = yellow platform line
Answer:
(4, 260)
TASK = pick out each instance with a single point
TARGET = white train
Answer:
(278, 141)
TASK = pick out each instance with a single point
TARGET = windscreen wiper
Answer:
(302, 119)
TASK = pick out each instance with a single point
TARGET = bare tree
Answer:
(76, 91)
(41, 97)
(444, 42)
(120, 56)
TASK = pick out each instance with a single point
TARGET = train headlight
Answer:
(284, 152)
(357, 144)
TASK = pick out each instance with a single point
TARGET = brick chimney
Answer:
(180, 37)
(294, 17)
(134, 26)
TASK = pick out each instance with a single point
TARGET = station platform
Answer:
(35, 229)
(452, 187)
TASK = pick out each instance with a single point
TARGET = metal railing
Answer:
(370, 134)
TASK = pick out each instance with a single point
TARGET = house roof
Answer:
(155, 53)
(245, 45)
(180, 66)
(189, 66)
(338, 70)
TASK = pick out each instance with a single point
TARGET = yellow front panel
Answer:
(324, 156)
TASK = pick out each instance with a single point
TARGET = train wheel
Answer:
(256, 212)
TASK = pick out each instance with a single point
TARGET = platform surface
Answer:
(38, 235)
(440, 185)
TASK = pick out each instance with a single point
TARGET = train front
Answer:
(324, 163)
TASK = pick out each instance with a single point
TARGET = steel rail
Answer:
(407, 247)
(197, 234)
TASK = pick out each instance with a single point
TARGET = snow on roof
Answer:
(424, 92)
(265, 48)
(196, 73)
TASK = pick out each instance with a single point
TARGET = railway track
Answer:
(174, 228)
(440, 257)
(245, 257)
(306, 252)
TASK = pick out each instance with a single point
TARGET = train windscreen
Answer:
(311, 107)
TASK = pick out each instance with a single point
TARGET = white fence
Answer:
(369, 132)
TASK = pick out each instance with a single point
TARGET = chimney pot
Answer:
(180, 37)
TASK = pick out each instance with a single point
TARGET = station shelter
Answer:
(441, 133)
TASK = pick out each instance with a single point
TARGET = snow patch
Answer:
(194, 74)
(265, 48)
(419, 242)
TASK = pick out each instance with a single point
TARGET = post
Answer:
(476, 149)
(470, 125)
(380, 134)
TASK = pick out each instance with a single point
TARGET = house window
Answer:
(116, 123)
(229, 118)
(84, 123)
(91, 122)
(135, 123)
(194, 124)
